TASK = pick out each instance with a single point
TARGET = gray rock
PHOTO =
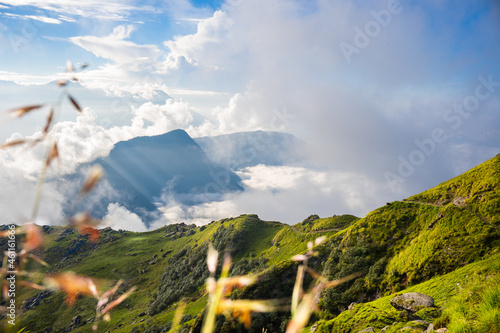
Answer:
(429, 329)
(366, 330)
(384, 329)
(412, 302)
(442, 330)
(314, 327)
(406, 328)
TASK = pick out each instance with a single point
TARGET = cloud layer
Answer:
(385, 93)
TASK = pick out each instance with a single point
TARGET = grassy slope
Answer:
(444, 289)
(126, 255)
(429, 234)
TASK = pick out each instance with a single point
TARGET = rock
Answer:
(47, 229)
(420, 322)
(77, 320)
(366, 330)
(351, 306)
(406, 328)
(314, 327)
(412, 302)
(32, 302)
(429, 329)
(384, 329)
(142, 314)
(442, 330)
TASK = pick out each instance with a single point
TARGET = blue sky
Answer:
(215, 67)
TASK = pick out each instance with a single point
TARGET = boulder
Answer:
(429, 329)
(412, 302)
(366, 330)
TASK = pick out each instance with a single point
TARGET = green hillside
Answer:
(443, 242)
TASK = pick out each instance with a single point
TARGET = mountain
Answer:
(147, 172)
(172, 164)
(245, 149)
(444, 243)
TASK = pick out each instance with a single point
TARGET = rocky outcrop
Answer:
(32, 302)
(367, 330)
(412, 302)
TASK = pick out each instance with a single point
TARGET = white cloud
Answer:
(84, 140)
(211, 32)
(119, 217)
(43, 19)
(271, 57)
(108, 10)
(27, 79)
(114, 47)
(286, 194)
(17, 198)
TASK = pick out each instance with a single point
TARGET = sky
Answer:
(394, 97)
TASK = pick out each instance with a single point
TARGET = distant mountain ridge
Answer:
(144, 169)
(246, 149)
(147, 172)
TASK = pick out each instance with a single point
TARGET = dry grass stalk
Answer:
(85, 224)
(71, 284)
(218, 289)
(12, 143)
(19, 112)
(304, 304)
(178, 316)
(94, 177)
(75, 103)
(50, 117)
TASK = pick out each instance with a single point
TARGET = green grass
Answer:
(467, 294)
(443, 242)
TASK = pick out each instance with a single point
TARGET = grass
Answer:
(431, 245)
(469, 295)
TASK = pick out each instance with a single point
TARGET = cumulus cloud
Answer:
(118, 217)
(84, 140)
(211, 32)
(281, 64)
